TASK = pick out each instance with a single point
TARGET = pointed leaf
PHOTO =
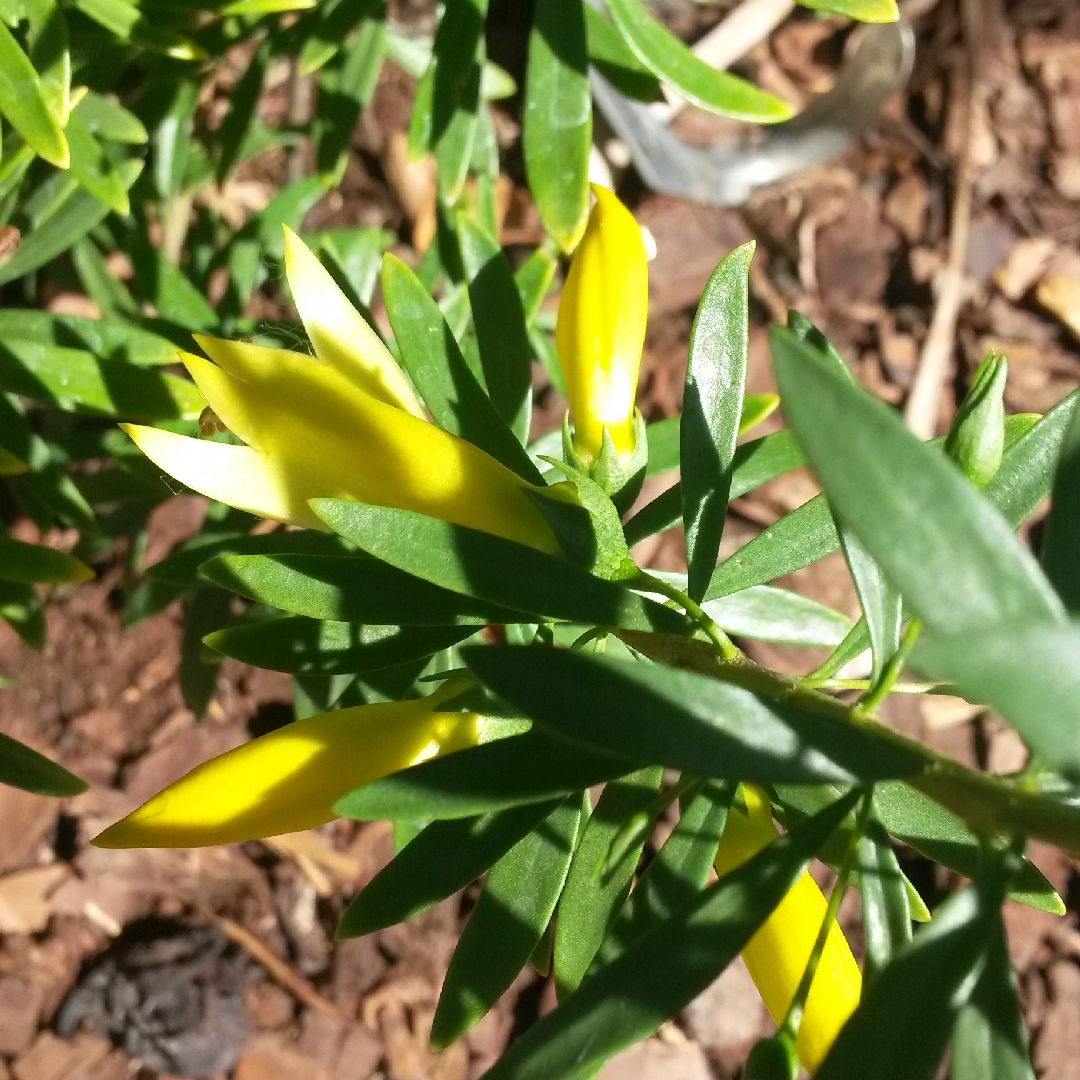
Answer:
(93, 169)
(1061, 542)
(712, 405)
(27, 769)
(31, 563)
(23, 103)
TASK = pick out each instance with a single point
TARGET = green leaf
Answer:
(1061, 540)
(125, 21)
(433, 360)
(755, 463)
(109, 119)
(101, 285)
(73, 219)
(591, 899)
(21, 608)
(23, 103)
(30, 563)
(871, 11)
(331, 24)
(205, 610)
(902, 1025)
(527, 768)
(989, 1041)
(881, 603)
(609, 54)
(886, 911)
(492, 569)
(557, 118)
(665, 968)
(310, 647)
(769, 614)
(445, 857)
(77, 381)
(351, 589)
(102, 337)
(712, 406)
(685, 721)
(27, 769)
(669, 59)
(93, 170)
(499, 319)
(533, 279)
(237, 121)
(677, 873)
(952, 555)
(506, 925)
(1029, 674)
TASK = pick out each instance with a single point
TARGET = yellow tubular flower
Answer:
(601, 328)
(332, 429)
(776, 955)
(291, 778)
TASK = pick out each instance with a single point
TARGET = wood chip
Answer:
(1060, 295)
(1024, 265)
(24, 898)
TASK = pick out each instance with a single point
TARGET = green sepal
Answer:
(619, 478)
(976, 439)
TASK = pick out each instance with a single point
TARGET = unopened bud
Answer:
(976, 439)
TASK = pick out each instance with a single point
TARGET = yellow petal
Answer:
(600, 329)
(339, 333)
(321, 437)
(776, 955)
(235, 475)
(290, 779)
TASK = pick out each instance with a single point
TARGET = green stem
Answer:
(877, 694)
(717, 636)
(794, 1016)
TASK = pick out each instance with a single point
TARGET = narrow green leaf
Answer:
(492, 569)
(871, 11)
(78, 381)
(21, 608)
(506, 925)
(102, 337)
(350, 589)
(311, 647)
(881, 603)
(241, 112)
(205, 610)
(31, 563)
(1030, 674)
(1061, 541)
(590, 899)
(677, 873)
(683, 720)
(666, 968)
(953, 556)
(93, 170)
(101, 285)
(23, 103)
(109, 119)
(533, 279)
(668, 58)
(754, 464)
(557, 118)
(712, 406)
(609, 54)
(886, 910)
(989, 1041)
(27, 769)
(443, 858)
(72, 220)
(433, 360)
(331, 23)
(769, 614)
(902, 1025)
(527, 768)
(499, 319)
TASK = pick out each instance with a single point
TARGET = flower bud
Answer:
(976, 439)
(601, 329)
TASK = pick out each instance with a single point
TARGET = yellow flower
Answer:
(601, 328)
(344, 424)
(291, 778)
(776, 955)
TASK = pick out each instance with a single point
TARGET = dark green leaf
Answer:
(522, 769)
(533, 279)
(886, 910)
(902, 1025)
(492, 569)
(666, 968)
(557, 119)
(609, 54)
(881, 604)
(21, 608)
(712, 405)
(205, 610)
(431, 356)
(111, 340)
(685, 721)
(100, 284)
(109, 120)
(953, 556)
(499, 319)
(506, 925)
(989, 1041)
(1061, 541)
(93, 169)
(668, 58)
(23, 103)
(29, 563)
(241, 112)
(353, 588)
(311, 647)
(445, 857)
(590, 898)
(27, 769)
